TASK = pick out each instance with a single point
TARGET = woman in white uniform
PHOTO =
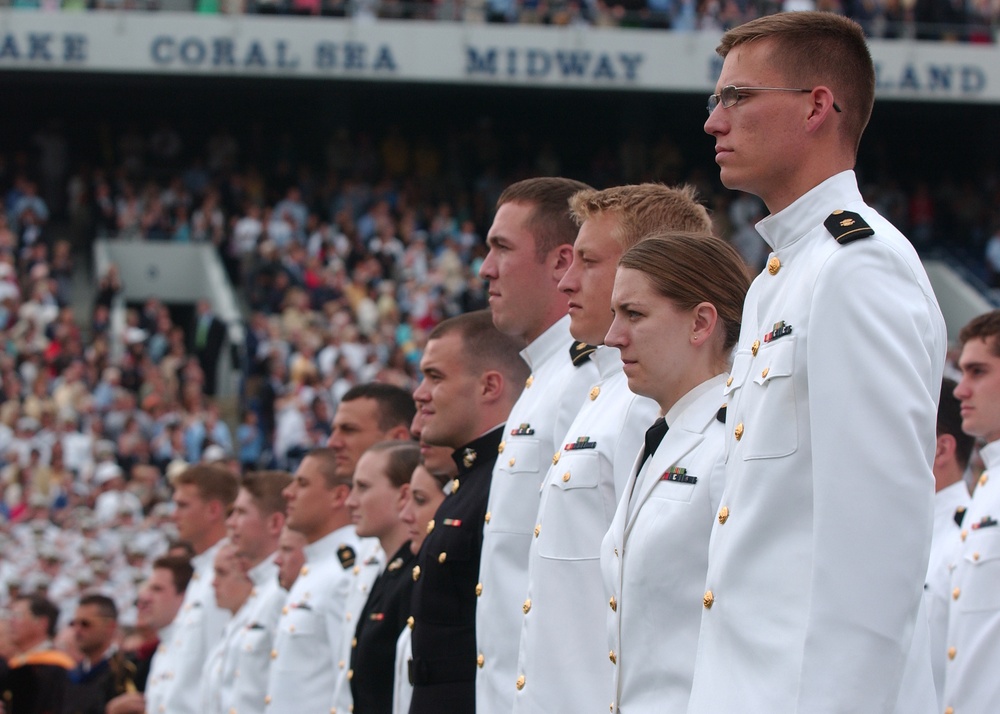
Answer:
(677, 304)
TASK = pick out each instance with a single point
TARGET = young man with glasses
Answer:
(820, 548)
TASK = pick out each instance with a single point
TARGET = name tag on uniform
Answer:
(678, 475)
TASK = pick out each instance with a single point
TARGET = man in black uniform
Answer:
(473, 374)
(104, 672)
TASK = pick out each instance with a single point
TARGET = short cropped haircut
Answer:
(985, 327)
(549, 223)
(818, 48)
(484, 347)
(692, 268)
(180, 569)
(395, 404)
(105, 606)
(326, 458)
(214, 482)
(642, 210)
(949, 421)
(265, 489)
(41, 606)
(402, 457)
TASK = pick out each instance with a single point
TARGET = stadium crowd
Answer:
(348, 272)
(971, 21)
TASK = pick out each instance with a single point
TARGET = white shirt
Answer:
(311, 627)
(251, 649)
(817, 575)
(562, 652)
(550, 401)
(945, 551)
(655, 554)
(973, 644)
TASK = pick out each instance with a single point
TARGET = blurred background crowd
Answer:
(949, 20)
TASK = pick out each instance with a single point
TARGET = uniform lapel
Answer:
(678, 442)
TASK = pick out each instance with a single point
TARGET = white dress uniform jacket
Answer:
(550, 401)
(971, 684)
(253, 644)
(220, 667)
(369, 565)
(158, 681)
(311, 628)
(950, 506)
(655, 554)
(195, 631)
(814, 591)
(562, 653)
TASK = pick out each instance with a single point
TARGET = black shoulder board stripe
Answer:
(721, 415)
(847, 227)
(580, 352)
(346, 555)
(959, 515)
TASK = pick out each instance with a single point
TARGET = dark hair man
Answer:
(472, 375)
(530, 249)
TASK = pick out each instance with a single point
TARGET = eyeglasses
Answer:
(730, 95)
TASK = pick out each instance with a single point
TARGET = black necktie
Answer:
(654, 435)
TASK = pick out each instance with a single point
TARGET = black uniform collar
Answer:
(485, 448)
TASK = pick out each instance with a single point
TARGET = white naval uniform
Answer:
(402, 690)
(562, 653)
(161, 668)
(368, 566)
(217, 680)
(532, 437)
(945, 551)
(311, 629)
(655, 555)
(814, 588)
(971, 684)
(196, 629)
(251, 650)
